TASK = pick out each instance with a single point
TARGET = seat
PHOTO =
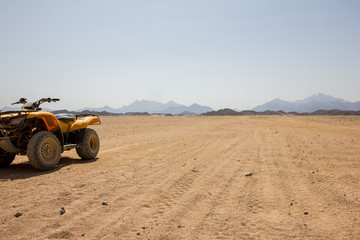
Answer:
(65, 117)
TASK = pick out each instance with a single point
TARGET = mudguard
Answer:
(84, 121)
(51, 123)
(73, 123)
(48, 118)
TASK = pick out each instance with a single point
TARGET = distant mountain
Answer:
(308, 105)
(196, 108)
(5, 109)
(147, 106)
(192, 109)
(105, 108)
(153, 107)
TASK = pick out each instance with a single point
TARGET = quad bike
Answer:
(43, 136)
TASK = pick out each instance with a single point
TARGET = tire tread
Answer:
(84, 150)
(33, 151)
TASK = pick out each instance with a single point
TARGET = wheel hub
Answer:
(93, 143)
(48, 150)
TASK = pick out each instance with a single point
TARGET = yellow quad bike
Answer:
(43, 136)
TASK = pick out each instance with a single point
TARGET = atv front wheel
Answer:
(89, 144)
(44, 151)
(6, 158)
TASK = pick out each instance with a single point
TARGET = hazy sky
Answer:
(220, 53)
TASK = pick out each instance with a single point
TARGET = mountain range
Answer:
(154, 107)
(308, 105)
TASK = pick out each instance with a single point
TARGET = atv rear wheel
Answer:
(44, 151)
(89, 144)
(6, 158)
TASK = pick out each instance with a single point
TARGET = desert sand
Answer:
(184, 178)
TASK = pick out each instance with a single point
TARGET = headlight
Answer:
(16, 121)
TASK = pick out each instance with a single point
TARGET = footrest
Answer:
(70, 146)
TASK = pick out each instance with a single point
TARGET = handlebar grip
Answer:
(50, 99)
(21, 101)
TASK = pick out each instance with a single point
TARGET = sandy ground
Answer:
(184, 178)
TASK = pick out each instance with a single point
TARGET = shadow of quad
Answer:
(24, 170)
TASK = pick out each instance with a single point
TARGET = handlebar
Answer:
(35, 105)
